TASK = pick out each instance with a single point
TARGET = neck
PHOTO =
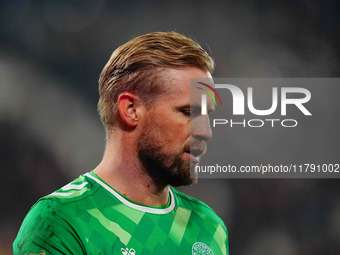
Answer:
(122, 170)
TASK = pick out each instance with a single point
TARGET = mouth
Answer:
(195, 154)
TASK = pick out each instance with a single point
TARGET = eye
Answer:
(186, 112)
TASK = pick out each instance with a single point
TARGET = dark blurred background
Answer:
(51, 55)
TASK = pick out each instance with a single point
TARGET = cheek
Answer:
(178, 134)
(172, 128)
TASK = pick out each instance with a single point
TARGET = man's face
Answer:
(174, 133)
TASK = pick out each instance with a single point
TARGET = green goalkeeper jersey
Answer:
(87, 216)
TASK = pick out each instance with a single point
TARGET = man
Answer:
(154, 136)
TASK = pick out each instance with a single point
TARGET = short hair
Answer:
(136, 66)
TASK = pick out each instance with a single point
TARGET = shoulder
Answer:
(203, 216)
(47, 227)
(79, 189)
(196, 205)
(184, 199)
(52, 222)
(59, 204)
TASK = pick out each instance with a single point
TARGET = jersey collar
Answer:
(133, 205)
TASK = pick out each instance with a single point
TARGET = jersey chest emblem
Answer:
(200, 248)
(128, 251)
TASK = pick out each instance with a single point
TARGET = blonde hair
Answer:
(136, 67)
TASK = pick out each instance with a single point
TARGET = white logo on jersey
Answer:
(201, 248)
(128, 251)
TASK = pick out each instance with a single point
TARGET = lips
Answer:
(195, 154)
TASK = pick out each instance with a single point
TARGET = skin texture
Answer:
(149, 149)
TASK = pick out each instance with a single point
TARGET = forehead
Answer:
(181, 89)
(181, 81)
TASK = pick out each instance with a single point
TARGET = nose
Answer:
(200, 128)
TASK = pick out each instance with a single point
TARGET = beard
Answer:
(164, 168)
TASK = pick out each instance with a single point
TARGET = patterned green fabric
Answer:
(89, 217)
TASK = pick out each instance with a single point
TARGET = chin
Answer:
(186, 178)
(184, 182)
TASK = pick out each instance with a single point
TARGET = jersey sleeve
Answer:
(47, 230)
(227, 239)
(222, 237)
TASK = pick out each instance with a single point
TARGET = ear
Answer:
(127, 106)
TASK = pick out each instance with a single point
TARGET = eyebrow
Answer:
(197, 107)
